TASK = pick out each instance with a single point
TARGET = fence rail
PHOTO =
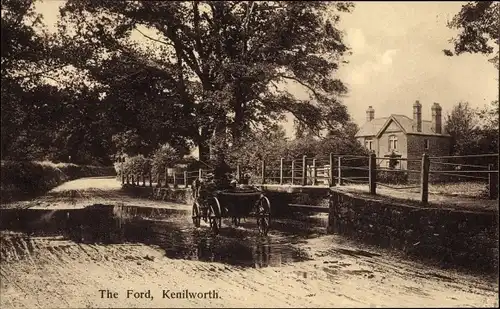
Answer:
(342, 169)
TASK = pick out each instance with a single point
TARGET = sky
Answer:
(397, 59)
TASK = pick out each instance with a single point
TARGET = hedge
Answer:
(27, 179)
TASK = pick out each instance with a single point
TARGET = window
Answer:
(426, 143)
(393, 142)
(368, 144)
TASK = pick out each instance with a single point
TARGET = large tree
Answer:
(222, 64)
(473, 131)
(461, 124)
(478, 23)
(28, 59)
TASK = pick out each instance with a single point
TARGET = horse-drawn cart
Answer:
(211, 205)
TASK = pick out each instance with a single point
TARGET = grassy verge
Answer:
(469, 189)
(27, 179)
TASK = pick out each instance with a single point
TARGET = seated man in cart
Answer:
(221, 179)
(222, 174)
(204, 187)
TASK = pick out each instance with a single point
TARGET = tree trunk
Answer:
(239, 110)
(204, 150)
(204, 145)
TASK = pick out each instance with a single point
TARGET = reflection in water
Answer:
(169, 229)
(242, 246)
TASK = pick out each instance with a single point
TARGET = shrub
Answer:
(137, 165)
(393, 177)
(164, 157)
(26, 179)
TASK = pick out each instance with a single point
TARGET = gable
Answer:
(392, 127)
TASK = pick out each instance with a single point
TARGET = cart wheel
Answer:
(263, 215)
(214, 216)
(196, 214)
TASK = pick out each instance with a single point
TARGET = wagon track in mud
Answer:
(54, 264)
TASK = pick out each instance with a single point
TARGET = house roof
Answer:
(371, 128)
(378, 125)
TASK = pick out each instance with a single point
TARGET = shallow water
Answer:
(172, 230)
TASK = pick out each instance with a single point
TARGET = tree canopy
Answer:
(216, 65)
(473, 131)
(478, 23)
(127, 77)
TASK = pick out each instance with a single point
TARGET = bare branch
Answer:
(302, 83)
(52, 78)
(153, 39)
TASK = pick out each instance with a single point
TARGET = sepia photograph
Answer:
(249, 154)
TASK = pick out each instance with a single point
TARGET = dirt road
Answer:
(297, 265)
(83, 192)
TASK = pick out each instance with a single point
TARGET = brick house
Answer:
(405, 137)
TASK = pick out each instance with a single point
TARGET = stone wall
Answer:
(281, 196)
(451, 236)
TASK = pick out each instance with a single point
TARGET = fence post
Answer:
(133, 182)
(281, 171)
(314, 172)
(304, 170)
(150, 178)
(200, 173)
(293, 172)
(263, 168)
(372, 173)
(340, 181)
(238, 173)
(185, 179)
(175, 179)
(166, 177)
(492, 183)
(424, 179)
(332, 178)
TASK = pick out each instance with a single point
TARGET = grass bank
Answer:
(27, 179)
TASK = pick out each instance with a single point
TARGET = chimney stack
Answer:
(436, 118)
(370, 114)
(417, 115)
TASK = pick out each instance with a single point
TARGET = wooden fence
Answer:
(351, 169)
(345, 169)
(163, 180)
